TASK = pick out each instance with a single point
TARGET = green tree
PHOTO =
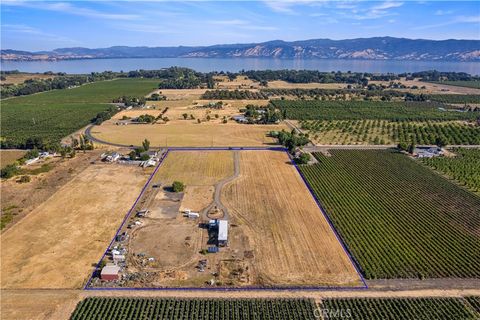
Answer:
(441, 141)
(146, 144)
(9, 171)
(178, 186)
(303, 158)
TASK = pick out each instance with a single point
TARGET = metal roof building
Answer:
(222, 231)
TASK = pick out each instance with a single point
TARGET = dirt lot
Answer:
(173, 241)
(56, 244)
(292, 240)
(10, 156)
(173, 250)
(188, 134)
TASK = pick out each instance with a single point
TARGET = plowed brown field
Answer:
(293, 242)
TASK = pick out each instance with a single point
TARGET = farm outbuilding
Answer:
(110, 272)
(222, 232)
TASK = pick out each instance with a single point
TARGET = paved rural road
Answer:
(88, 133)
(219, 186)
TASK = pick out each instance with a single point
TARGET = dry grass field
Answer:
(240, 82)
(197, 197)
(21, 77)
(279, 84)
(196, 168)
(430, 88)
(38, 304)
(57, 243)
(188, 134)
(292, 241)
(10, 156)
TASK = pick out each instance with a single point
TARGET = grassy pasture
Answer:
(54, 114)
(398, 218)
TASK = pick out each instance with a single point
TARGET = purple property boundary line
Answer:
(249, 288)
(320, 206)
(125, 220)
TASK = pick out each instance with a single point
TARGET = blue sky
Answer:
(45, 25)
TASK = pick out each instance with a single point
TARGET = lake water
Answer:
(237, 64)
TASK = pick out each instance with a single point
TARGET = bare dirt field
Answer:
(174, 250)
(292, 241)
(57, 243)
(10, 156)
(187, 134)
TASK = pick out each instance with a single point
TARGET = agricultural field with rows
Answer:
(192, 309)
(459, 83)
(464, 167)
(456, 98)
(357, 110)
(391, 132)
(400, 308)
(397, 217)
(55, 114)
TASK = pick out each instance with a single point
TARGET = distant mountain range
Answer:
(379, 48)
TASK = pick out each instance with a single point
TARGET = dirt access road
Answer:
(219, 186)
(59, 304)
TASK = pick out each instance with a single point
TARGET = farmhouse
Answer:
(110, 156)
(428, 152)
(110, 272)
(150, 153)
(240, 119)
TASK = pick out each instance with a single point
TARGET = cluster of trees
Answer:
(291, 140)
(138, 153)
(178, 186)
(129, 101)
(307, 76)
(105, 115)
(434, 75)
(145, 118)
(262, 115)
(234, 94)
(157, 97)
